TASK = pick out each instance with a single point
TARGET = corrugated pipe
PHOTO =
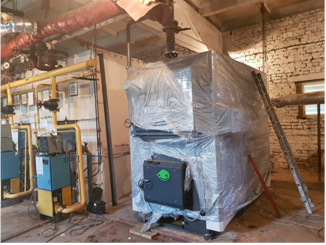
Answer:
(90, 14)
(19, 25)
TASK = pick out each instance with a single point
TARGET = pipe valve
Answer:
(51, 104)
(8, 110)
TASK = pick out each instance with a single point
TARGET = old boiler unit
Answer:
(194, 120)
(53, 176)
(10, 163)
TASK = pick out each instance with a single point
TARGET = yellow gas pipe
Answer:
(30, 151)
(38, 110)
(52, 74)
(25, 162)
(81, 176)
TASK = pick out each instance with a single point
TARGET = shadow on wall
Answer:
(310, 164)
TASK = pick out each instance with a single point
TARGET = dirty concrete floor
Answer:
(248, 226)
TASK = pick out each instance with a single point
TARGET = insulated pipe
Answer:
(81, 176)
(30, 151)
(58, 72)
(299, 99)
(19, 25)
(85, 16)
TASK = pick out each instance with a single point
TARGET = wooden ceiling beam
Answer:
(221, 6)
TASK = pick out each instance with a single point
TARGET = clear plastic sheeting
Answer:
(212, 103)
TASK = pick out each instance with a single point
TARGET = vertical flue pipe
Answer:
(30, 151)
(108, 130)
(81, 177)
(128, 39)
(319, 143)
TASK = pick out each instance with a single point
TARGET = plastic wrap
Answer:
(213, 104)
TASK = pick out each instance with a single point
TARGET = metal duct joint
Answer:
(19, 25)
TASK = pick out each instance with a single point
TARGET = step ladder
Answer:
(283, 142)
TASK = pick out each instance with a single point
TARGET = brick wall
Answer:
(159, 54)
(295, 47)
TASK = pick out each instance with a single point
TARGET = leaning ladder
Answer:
(284, 143)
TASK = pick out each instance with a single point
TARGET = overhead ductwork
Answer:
(19, 25)
(88, 15)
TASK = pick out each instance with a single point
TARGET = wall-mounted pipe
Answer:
(52, 74)
(128, 39)
(108, 130)
(299, 99)
(86, 65)
(37, 108)
(81, 177)
(71, 79)
(30, 151)
(25, 157)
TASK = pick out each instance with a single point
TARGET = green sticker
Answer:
(163, 175)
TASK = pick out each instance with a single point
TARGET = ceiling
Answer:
(228, 15)
(225, 15)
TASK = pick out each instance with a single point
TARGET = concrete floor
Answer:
(250, 226)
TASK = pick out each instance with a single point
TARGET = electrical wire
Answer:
(74, 224)
(189, 219)
(84, 226)
(289, 221)
(54, 230)
(30, 201)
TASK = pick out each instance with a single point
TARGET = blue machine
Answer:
(10, 162)
(53, 172)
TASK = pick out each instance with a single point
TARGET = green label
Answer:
(163, 175)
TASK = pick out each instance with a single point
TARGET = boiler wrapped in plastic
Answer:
(205, 110)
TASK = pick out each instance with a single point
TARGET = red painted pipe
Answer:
(90, 14)
(265, 187)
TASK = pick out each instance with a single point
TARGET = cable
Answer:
(191, 220)
(74, 224)
(84, 229)
(30, 201)
(320, 231)
(98, 169)
(142, 183)
(289, 222)
(55, 229)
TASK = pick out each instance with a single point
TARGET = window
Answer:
(310, 88)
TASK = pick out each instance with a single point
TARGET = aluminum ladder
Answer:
(284, 143)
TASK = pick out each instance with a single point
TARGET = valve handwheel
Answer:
(16, 50)
(39, 104)
(128, 123)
